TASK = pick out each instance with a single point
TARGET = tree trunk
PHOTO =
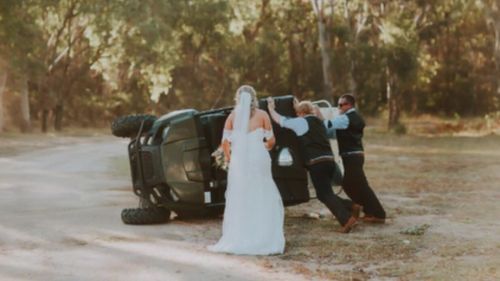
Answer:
(45, 116)
(25, 106)
(355, 28)
(294, 77)
(497, 49)
(353, 86)
(3, 82)
(392, 100)
(58, 116)
(325, 50)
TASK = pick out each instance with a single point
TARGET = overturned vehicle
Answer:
(172, 168)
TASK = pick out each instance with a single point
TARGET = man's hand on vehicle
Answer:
(270, 104)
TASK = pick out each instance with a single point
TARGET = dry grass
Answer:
(431, 125)
(450, 183)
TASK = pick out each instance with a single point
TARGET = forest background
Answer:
(84, 62)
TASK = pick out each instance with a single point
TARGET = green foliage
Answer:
(104, 58)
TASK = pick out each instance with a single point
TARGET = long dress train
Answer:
(254, 214)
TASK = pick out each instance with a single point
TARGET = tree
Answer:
(86, 61)
(399, 40)
(74, 34)
(492, 10)
(496, 23)
(17, 27)
(357, 23)
(319, 9)
(3, 81)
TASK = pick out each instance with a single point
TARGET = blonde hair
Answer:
(253, 94)
(305, 107)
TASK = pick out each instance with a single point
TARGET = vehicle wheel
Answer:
(145, 215)
(128, 126)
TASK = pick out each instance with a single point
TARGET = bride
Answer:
(254, 214)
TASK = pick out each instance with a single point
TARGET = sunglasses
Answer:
(342, 104)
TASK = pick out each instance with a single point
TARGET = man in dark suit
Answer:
(348, 128)
(319, 158)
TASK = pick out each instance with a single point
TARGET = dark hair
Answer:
(349, 98)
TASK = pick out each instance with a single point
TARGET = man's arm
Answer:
(298, 125)
(331, 133)
(271, 107)
(339, 122)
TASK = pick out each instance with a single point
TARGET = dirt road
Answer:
(61, 198)
(60, 220)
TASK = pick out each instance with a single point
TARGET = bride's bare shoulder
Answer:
(261, 113)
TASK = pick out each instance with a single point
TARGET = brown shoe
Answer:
(349, 225)
(356, 210)
(373, 219)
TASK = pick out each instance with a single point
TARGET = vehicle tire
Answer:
(139, 216)
(128, 126)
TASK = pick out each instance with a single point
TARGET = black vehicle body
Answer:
(172, 167)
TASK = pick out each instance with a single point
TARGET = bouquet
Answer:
(220, 159)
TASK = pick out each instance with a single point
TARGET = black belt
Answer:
(352, 153)
(326, 158)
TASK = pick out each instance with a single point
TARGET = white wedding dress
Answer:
(254, 214)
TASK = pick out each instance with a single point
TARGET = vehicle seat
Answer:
(291, 180)
(213, 126)
(284, 105)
